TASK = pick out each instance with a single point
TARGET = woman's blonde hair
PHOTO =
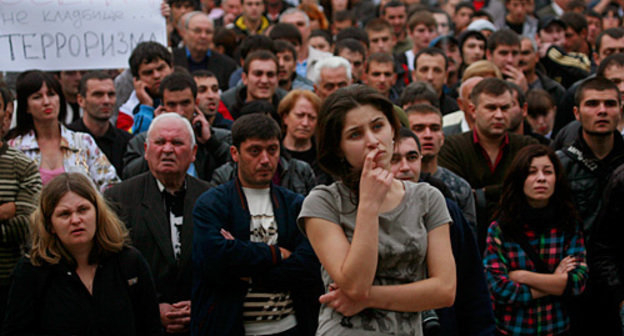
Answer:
(483, 69)
(110, 233)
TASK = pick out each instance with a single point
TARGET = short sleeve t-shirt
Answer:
(402, 252)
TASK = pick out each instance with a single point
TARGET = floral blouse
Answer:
(80, 154)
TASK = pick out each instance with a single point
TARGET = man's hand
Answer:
(159, 110)
(285, 253)
(542, 48)
(140, 88)
(165, 10)
(226, 234)
(516, 76)
(176, 318)
(338, 301)
(199, 117)
(7, 211)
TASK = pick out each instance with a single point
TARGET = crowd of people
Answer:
(342, 167)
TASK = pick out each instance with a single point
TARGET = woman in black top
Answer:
(80, 277)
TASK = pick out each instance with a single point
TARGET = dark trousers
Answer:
(4, 296)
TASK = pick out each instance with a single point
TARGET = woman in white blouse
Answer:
(42, 137)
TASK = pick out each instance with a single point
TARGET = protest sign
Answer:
(75, 34)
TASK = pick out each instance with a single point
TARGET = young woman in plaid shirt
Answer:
(536, 213)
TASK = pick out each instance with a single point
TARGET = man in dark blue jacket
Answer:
(253, 270)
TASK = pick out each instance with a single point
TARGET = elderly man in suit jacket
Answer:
(157, 208)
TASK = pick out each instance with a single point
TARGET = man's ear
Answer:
(244, 78)
(525, 110)
(234, 153)
(488, 54)
(145, 149)
(576, 113)
(80, 100)
(472, 111)
(194, 152)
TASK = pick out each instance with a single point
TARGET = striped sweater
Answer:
(19, 183)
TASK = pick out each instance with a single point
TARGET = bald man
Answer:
(461, 121)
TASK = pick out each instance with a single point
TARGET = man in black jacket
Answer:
(157, 208)
(197, 55)
(260, 82)
(606, 252)
(588, 163)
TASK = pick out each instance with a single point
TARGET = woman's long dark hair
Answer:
(29, 82)
(513, 200)
(331, 123)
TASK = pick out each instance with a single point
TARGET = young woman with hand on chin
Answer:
(383, 243)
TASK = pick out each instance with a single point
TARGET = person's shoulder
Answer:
(77, 126)
(26, 268)
(334, 192)
(522, 140)
(419, 189)
(458, 139)
(220, 194)
(130, 252)
(299, 165)
(16, 156)
(137, 139)
(130, 186)
(121, 134)
(289, 195)
(197, 184)
(222, 134)
(76, 139)
(223, 60)
(445, 174)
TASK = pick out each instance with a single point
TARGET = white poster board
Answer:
(55, 35)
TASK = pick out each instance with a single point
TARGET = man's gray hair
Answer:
(532, 40)
(188, 16)
(333, 62)
(293, 10)
(172, 116)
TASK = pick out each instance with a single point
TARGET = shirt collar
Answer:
(161, 187)
(475, 139)
(29, 140)
(188, 54)
(558, 10)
